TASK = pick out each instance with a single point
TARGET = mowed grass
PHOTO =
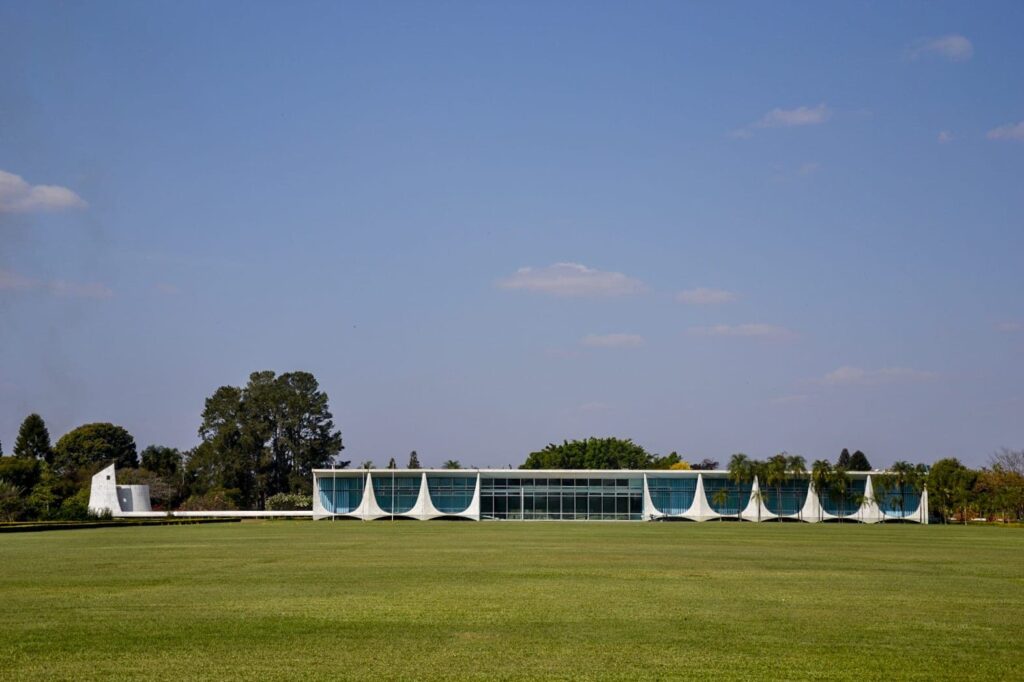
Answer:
(286, 600)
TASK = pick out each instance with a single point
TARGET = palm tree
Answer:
(837, 486)
(797, 467)
(451, 464)
(821, 476)
(740, 472)
(775, 475)
(720, 498)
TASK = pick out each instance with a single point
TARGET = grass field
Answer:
(277, 600)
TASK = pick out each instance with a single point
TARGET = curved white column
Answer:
(756, 509)
(650, 512)
(700, 509)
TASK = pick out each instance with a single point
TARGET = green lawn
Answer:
(513, 600)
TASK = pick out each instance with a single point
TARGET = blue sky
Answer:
(709, 227)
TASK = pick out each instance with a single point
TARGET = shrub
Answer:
(218, 499)
(12, 506)
(289, 502)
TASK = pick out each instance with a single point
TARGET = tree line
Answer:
(955, 491)
(260, 442)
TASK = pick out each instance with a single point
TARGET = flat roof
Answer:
(519, 473)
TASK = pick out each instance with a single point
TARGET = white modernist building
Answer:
(608, 495)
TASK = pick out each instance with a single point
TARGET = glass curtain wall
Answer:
(341, 495)
(524, 498)
(898, 502)
(672, 495)
(839, 504)
(735, 499)
(451, 494)
(396, 494)
(787, 498)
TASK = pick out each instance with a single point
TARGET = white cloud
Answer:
(945, 136)
(955, 48)
(613, 340)
(572, 279)
(787, 118)
(856, 376)
(1010, 326)
(1010, 131)
(705, 296)
(766, 331)
(12, 281)
(18, 196)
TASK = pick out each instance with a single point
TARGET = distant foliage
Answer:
(12, 506)
(161, 460)
(414, 460)
(212, 500)
(452, 464)
(593, 453)
(858, 461)
(289, 502)
(706, 465)
(93, 446)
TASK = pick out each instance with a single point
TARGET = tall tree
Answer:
(821, 479)
(414, 460)
(268, 437)
(844, 459)
(392, 464)
(92, 445)
(33, 439)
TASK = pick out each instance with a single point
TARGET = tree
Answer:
(414, 460)
(391, 464)
(681, 465)
(368, 464)
(12, 506)
(844, 459)
(265, 438)
(775, 474)
(838, 482)
(33, 440)
(669, 461)
(705, 465)
(741, 471)
(821, 478)
(720, 498)
(21, 472)
(949, 486)
(452, 464)
(161, 460)
(92, 446)
(593, 453)
(859, 462)
(1008, 460)
(796, 468)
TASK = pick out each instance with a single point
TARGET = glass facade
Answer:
(898, 502)
(672, 495)
(786, 499)
(451, 494)
(396, 494)
(341, 495)
(523, 497)
(844, 505)
(735, 499)
(594, 496)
